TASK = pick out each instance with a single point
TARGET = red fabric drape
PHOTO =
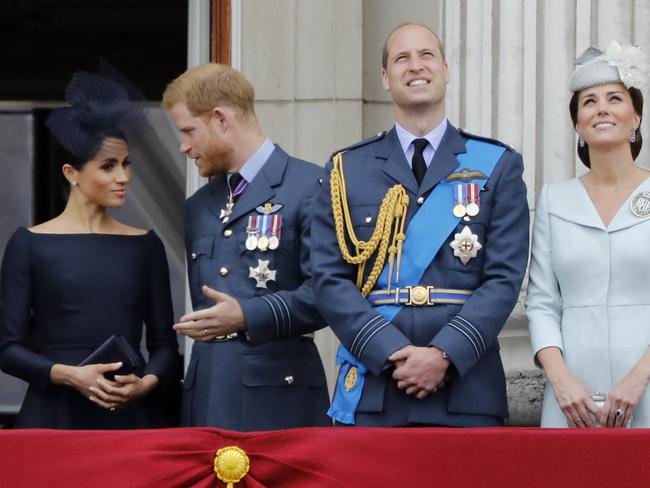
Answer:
(328, 457)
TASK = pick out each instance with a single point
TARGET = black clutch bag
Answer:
(116, 348)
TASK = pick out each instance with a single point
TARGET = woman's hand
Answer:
(86, 379)
(573, 397)
(125, 388)
(623, 399)
(626, 394)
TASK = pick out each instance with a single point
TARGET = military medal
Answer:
(251, 242)
(252, 230)
(465, 245)
(276, 223)
(459, 200)
(274, 242)
(224, 215)
(351, 377)
(263, 241)
(472, 199)
(261, 274)
(640, 204)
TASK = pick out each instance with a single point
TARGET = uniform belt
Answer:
(228, 337)
(235, 335)
(420, 295)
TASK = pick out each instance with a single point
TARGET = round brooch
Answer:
(231, 464)
(640, 204)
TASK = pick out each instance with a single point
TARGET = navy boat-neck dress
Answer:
(70, 292)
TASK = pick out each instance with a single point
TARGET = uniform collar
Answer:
(252, 167)
(434, 136)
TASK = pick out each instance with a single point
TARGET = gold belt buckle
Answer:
(227, 337)
(418, 295)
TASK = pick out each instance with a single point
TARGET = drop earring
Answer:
(581, 141)
(633, 136)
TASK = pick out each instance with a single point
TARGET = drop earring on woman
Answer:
(633, 136)
(581, 141)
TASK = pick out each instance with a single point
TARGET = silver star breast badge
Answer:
(262, 274)
(465, 245)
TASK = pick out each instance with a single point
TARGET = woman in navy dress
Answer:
(81, 277)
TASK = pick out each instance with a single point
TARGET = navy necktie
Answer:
(418, 164)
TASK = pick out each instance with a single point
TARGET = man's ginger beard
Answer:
(216, 159)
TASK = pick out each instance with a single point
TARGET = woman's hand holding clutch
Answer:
(87, 380)
(574, 399)
(572, 396)
(124, 389)
(626, 395)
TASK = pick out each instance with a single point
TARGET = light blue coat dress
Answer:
(589, 291)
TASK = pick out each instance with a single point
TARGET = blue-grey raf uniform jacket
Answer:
(475, 394)
(271, 376)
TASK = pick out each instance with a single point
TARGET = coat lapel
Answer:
(260, 190)
(444, 160)
(395, 164)
(217, 194)
(570, 201)
(624, 217)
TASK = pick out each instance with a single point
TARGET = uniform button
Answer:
(193, 256)
(288, 379)
(368, 220)
(227, 232)
(420, 200)
(223, 271)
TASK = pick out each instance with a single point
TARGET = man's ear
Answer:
(220, 117)
(384, 79)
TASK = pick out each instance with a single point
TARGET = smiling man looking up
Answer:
(424, 230)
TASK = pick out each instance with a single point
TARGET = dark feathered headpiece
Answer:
(102, 104)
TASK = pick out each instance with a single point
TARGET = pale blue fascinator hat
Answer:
(625, 64)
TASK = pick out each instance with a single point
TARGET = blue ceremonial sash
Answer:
(478, 155)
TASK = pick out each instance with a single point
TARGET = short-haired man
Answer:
(423, 231)
(254, 365)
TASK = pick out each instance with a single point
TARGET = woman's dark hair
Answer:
(635, 147)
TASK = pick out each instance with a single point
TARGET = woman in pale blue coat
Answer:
(588, 299)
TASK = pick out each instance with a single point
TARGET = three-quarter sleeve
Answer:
(16, 358)
(161, 338)
(543, 302)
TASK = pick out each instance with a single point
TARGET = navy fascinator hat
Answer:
(102, 104)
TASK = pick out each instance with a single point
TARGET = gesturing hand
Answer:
(224, 317)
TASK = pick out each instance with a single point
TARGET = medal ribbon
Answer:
(459, 195)
(473, 194)
(265, 225)
(240, 188)
(276, 224)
